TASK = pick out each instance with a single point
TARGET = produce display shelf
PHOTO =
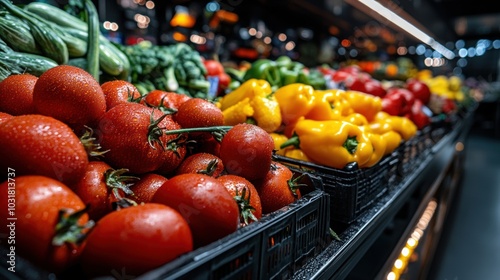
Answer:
(340, 257)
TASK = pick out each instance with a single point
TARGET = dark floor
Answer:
(470, 244)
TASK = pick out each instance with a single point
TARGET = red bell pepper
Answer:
(448, 106)
(418, 115)
(407, 99)
(392, 104)
(419, 89)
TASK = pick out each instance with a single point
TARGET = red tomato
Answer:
(4, 117)
(16, 94)
(246, 195)
(166, 101)
(119, 91)
(71, 95)
(137, 239)
(204, 202)
(224, 81)
(42, 145)
(198, 112)
(101, 187)
(36, 202)
(207, 145)
(146, 187)
(127, 132)
(277, 189)
(214, 67)
(201, 163)
(246, 150)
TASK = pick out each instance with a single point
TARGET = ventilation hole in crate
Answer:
(237, 265)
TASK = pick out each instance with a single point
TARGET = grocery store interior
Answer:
(455, 182)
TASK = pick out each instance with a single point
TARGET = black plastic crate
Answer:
(413, 152)
(440, 125)
(424, 141)
(273, 248)
(351, 191)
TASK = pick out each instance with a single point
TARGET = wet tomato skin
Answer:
(16, 94)
(274, 189)
(69, 94)
(138, 238)
(198, 112)
(246, 150)
(119, 91)
(124, 131)
(165, 99)
(4, 117)
(38, 200)
(42, 145)
(203, 163)
(204, 202)
(94, 191)
(146, 187)
(237, 186)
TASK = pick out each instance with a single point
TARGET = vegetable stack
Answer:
(40, 36)
(180, 180)
(284, 71)
(176, 67)
(330, 127)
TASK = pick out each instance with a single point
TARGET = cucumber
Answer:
(110, 60)
(29, 63)
(51, 44)
(93, 35)
(17, 34)
(56, 15)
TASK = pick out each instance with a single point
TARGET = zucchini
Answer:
(76, 46)
(116, 54)
(93, 39)
(28, 63)
(125, 74)
(56, 15)
(110, 60)
(4, 47)
(80, 62)
(58, 18)
(50, 43)
(17, 34)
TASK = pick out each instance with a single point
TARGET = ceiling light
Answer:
(406, 26)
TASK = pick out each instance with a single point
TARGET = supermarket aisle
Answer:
(470, 245)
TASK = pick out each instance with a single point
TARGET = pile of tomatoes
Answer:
(107, 180)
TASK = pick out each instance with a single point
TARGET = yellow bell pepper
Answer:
(379, 148)
(331, 143)
(356, 118)
(366, 104)
(278, 140)
(295, 101)
(402, 125)
(238, 113)
(248, 89)
(297, 154)
(392, 139)
(379, 127)
(267, 112)
(253, 99)
(327, 105)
